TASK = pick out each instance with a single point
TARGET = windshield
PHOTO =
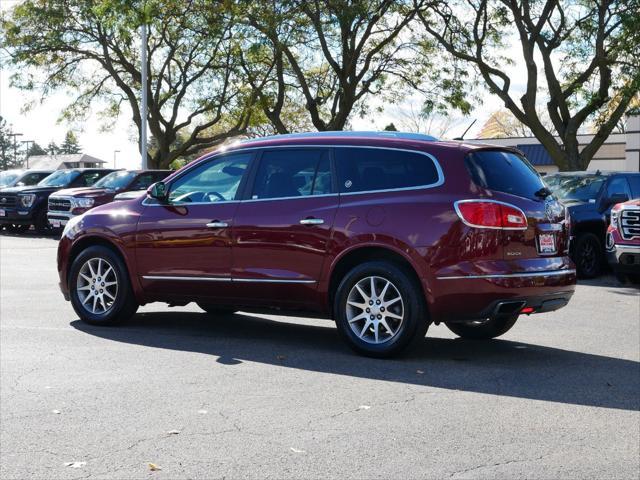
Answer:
(8, 177)
(59, 178)
(115, 180)
(581, 188)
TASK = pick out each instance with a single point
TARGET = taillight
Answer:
(491, 214)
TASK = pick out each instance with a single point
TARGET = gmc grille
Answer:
(8, 201)
(630, 224)
(59, 205)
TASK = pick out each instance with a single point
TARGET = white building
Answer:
(60, 162)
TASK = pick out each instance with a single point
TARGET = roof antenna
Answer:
(461, 137)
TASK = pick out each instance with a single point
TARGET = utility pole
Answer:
(143, 113)
(15, 145)
(26, 154)
(114, 157)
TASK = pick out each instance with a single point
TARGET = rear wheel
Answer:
(100, 289)
(380, 309)
(483, 329)
(588, 255)
(213, 309)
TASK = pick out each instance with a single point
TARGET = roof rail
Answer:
(350, 134)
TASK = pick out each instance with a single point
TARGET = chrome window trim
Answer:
(224, 279)
(436, 164)
(512, 275)
(455, 206)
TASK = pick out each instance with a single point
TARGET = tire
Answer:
(216, 310)
(41, 222)
(486, 330)
(121, 307)
(588, 255)
(360, 333)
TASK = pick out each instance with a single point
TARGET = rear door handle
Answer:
(311, 221)
(217, 224)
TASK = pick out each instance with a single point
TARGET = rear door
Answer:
(282, 230)
(509, 178)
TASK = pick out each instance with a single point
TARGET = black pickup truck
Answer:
(21, 207)
(589, 197)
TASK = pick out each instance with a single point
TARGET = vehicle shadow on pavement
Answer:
(497, 367)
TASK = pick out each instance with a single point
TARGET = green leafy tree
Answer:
(9, 153)
(70, 144)
(337, 58)
(92, 49)
(584, 54)
(390, 128)
(36, 149)
(53, 148)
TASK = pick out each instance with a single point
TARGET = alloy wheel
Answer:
(97, 286)
(375, 310)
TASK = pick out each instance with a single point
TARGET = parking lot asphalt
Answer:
(256, 396)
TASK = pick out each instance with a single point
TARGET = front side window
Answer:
(115, 180)
(292, 173)
(214, 181)
(582, 188)
(145, 180)
(89, 178)
(618, 185)
(369, 169)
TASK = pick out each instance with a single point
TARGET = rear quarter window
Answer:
(374, 169)
(503, 171)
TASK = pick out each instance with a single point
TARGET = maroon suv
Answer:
(384, 233)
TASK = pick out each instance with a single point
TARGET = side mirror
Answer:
(158, 191)
(614, 199)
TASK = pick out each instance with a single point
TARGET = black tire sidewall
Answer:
(583, 239)
(414, 310)
(124, 302)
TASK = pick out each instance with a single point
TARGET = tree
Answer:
(35, 149)
(70, 144)
(590, 54)
(335, 56)
(53, 148)
(7, 159)
(390, 128)
(92, 50)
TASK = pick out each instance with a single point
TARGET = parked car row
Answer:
(590, 199)
(47, 200)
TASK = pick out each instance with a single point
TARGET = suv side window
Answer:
(634, 181)
(292, 173)
(214, 181)
(89, 178)
(618, 185)
(143, 180)
(366, 169)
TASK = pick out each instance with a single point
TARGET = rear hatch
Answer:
(508, 178)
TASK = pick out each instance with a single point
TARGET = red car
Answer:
(385, 233)
(67, 203)
(623, 240)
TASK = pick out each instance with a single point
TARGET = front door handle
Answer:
(311, 221)
(217, 224)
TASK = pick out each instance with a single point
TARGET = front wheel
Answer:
(483, 329)
(99, 287)
(588, 255)
(41, 223)
(380, 309)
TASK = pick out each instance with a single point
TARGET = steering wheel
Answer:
(216, 194)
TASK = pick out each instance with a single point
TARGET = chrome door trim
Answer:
(512, 275)
(225, 279)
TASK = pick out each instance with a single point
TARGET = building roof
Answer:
(536, 154)
(55, 162)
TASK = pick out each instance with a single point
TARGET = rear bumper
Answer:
(624, 258)
(481, 296)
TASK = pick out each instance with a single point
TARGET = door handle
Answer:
(217, 224)
(311, 221)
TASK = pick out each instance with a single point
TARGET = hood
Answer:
(83, 192)
(30, 189)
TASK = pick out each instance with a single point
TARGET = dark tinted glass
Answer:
(503, 172)
(292, 173)
(618, 185)
(634, 182)
(576, 187)
(367, 169)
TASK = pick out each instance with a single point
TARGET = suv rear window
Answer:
(503, 172)
(370, 169)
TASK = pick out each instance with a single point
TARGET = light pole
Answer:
(15, 148)
(143, 113)
(26, 154)
(114, 157)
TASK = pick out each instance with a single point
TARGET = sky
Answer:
(41, 124)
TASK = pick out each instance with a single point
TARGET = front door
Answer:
(281, 232)
(184, 245)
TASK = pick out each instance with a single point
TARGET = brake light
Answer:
(491, 214)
